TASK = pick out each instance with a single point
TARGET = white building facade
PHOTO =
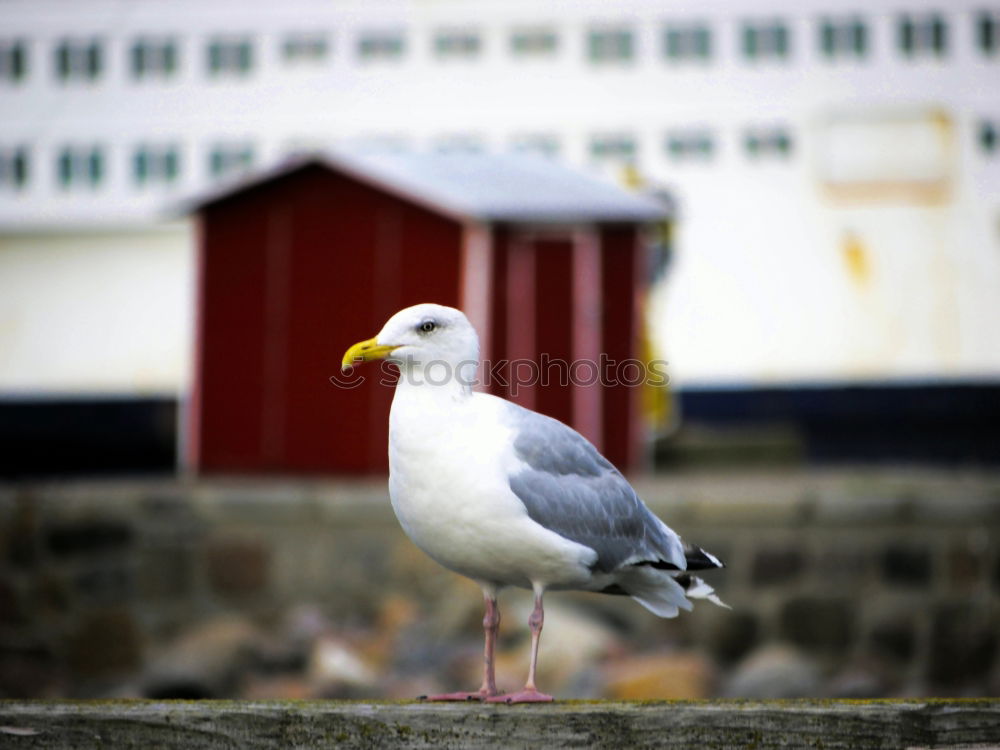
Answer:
(836, 167)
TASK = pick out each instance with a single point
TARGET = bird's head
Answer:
(422, 337)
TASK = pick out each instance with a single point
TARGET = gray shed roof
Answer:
(491, 187)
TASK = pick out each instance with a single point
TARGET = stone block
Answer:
(30, 672)
(166, 505)
(18, 536)
(778, 564)
(907, 565)
(105, 644)
(894, 637)
(844, 564)
(169, 518)
(963, 643)
(966, 565)
(237, 566)
(88, 536)
(111, 582)
(165, 572)
(815, 623)
(11, 609)
(50, 597)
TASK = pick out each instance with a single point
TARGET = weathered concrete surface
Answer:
(197, 725)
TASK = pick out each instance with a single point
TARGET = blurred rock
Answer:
(10, 603)
(108, 582)
(774, 671)
(207, 661)
(417, 576)
(844, 566)
(894, 636)
(963, 644)
(773, 565)
(165, 572)
(107, 643)
(237, 567)
(304, 623)
(906, 565)
(818, 623)
(289, 648)
(967, 559)
(859, 679)
(18, 543)
(277, 688)
(460, 610)
(993, 686)
(730, 635)
(88, 536)
(52, 597)
(685, 676)
(31, 672)
(336, 667)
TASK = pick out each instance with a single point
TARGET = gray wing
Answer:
(571, 489)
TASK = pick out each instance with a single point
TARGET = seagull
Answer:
(509, 497)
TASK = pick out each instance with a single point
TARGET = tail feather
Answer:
(696, 588)
(665, 593)
(661, 587)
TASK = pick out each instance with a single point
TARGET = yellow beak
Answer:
(364, 351)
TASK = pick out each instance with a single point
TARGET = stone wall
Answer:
(842, 583)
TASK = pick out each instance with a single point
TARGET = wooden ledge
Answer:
(197, 725)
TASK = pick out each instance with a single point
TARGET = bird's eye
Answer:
(427, 326)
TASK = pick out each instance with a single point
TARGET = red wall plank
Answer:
(620, 259)
(554, 326)
(232, 315)
(498, 313)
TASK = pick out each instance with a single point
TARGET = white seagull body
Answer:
(509, 497)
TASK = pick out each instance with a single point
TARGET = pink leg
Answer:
(491, 625)
(529, 694)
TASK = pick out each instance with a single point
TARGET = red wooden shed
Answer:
(297, 263)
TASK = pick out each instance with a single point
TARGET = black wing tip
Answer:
(699, 559)
(696, 558)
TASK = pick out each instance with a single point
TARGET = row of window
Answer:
(85, 166)
(836, 37)
(161, 164)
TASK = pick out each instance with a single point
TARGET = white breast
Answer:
(449, 459)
